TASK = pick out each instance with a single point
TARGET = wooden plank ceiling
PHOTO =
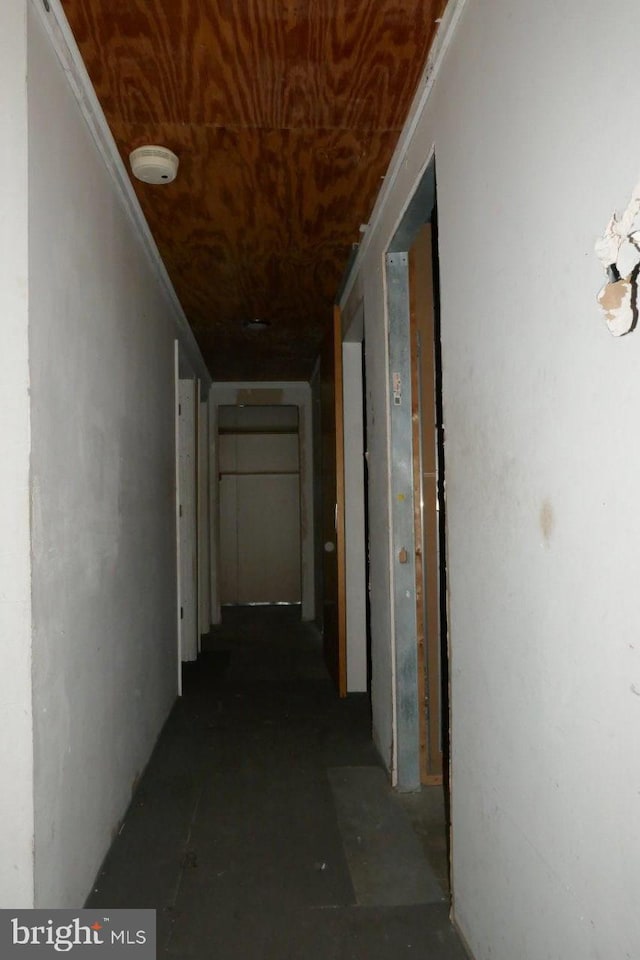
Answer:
(284, 114)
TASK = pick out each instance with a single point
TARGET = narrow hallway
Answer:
(263, 826)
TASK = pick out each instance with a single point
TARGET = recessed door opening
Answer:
(430, 520)
(443, 638)
(417, 434)
(259, 478)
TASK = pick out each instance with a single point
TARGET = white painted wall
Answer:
(16, 747)
(102, 328)
(290, 393)
(531, 117)
(355, 547)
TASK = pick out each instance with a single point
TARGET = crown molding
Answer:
(63, 42)
(440, 45)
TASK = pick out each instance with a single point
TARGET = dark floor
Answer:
(264, 828)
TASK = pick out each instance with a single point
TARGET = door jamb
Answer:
(407, 706)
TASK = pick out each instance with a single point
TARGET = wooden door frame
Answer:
(410, 735)
(423, 387)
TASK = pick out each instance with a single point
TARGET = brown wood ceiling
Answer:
(284, 114)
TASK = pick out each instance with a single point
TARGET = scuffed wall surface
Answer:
(543, 469)
(104, 578)
(16, 748)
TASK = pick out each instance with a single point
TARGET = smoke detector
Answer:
(153, 164)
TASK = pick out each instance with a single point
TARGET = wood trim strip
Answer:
(64, 44)
(425, 490)
(446, 31)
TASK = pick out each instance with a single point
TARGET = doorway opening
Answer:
(259, 497)
(419, 509)
(429, 500)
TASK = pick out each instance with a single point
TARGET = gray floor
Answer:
(264, 827)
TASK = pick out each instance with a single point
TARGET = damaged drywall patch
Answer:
(619, 253)
(617, 302)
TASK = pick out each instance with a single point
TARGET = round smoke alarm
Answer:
(154, 164)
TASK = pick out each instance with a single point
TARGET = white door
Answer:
(187, 520)
(204, 555)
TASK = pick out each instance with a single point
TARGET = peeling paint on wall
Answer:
(619, 253)
(617, 302)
